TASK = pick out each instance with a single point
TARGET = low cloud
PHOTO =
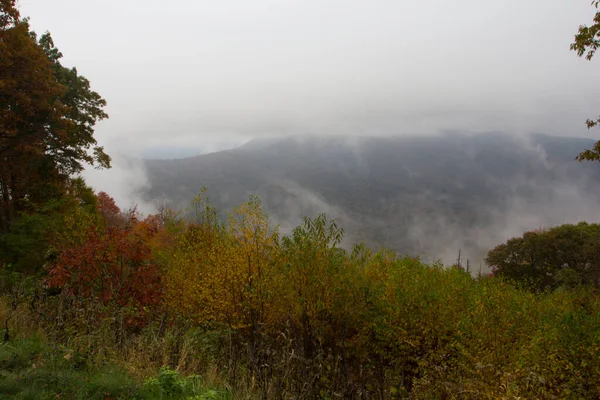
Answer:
(125, 181)
(231, 69)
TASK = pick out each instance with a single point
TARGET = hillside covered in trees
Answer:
(97, 302)
(429, 196)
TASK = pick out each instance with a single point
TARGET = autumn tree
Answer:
(47, 118)
(254, 246)
(110, 264)
(313, 266)
(217, 271)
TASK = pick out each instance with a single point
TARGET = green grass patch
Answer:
(33, 369)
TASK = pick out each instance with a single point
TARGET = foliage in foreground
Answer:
(294, 316)
(34, 369)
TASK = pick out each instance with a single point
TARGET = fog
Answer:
(441, 238)
(125, 181)
(190, 77)
(421, 196)
(191, 73)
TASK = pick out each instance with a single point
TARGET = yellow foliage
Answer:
(219, 272)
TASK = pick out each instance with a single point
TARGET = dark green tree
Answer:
(565, 255)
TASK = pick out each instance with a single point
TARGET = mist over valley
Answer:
(427, 196)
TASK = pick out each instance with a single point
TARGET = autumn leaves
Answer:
(298, 308)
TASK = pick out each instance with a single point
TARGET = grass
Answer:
(30, 368)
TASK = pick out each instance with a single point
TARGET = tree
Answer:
(47, 118)
(313, 265)
(586, 43)
(565, 255)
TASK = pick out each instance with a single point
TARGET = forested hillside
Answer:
(427, 196)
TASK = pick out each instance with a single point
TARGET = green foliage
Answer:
(26, 245)
(169, 384)
(30, 243)
(564, 256)
(31, 369)
(587, 38)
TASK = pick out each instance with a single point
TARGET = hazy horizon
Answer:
(196, 77)
(200, 76)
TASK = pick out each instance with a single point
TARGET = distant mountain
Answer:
(428, 196)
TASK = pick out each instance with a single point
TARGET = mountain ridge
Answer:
(419, 195)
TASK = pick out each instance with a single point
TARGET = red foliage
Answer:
(114, 266)
(109, 209)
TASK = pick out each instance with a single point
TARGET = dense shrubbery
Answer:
(297, 316)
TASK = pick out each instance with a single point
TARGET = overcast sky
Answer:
(182, 76)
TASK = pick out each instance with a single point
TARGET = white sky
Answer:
(182, 76)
